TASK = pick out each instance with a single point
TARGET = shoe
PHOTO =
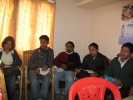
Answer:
(57, 96)
(109, 97)
(64, 97)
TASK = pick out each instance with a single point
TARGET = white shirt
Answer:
(7, 58)
(69, 52)
(122, 63)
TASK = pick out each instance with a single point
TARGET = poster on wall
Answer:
(126, 27)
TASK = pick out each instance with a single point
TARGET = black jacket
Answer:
(125, 74)
(98, 65)
(16, 59)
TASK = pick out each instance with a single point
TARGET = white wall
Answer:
(71, 24)
(105, 28)
(101, 25)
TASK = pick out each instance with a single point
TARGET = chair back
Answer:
(92, 88)
(26, 56)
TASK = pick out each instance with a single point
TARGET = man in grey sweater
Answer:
(121, 68)
(41, 60)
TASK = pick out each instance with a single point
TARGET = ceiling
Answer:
(92, 4)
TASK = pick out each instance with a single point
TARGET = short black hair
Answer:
(44, 37)
(70, 42)
(94, 45)
(129, 45)
(8, 38)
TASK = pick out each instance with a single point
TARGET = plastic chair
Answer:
(26, 56)
(92, 88)
(0, 95)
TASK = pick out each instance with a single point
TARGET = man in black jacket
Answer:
(95, 62)
(121, 68)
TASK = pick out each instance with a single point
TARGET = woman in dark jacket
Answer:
(9, 58)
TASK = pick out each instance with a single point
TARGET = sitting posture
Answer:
(41, 60)
(10, 61)
(94, 64)
(121, 68)
(67, 62)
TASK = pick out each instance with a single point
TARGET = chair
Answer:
(20, 81)
(26, 55)
(92, 88)
(0, 96)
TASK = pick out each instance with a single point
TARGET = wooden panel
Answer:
(3, 86)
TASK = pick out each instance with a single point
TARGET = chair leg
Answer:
(26, 83)
(52, 90)
(26, 90)
(20, 86)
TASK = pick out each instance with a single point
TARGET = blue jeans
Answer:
(69, 80)
(39, 92)
(10, 86)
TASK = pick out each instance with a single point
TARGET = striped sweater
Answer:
(39, 58)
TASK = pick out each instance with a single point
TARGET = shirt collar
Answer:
(69, 52)
(123, 62)
(12, 51)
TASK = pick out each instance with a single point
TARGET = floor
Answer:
(61, 85)
(128, 98)
(29, 95)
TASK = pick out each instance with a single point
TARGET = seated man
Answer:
(95, 63)
(67, 61)
(40, 60)
(121, 68)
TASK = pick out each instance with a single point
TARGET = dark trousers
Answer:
(124, 91)
(82, 74)
(10, 86)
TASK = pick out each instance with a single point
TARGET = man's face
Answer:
(43, 43)
(93, 51)
(69, 47)
(125, 53)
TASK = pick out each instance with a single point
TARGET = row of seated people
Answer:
(69, 63)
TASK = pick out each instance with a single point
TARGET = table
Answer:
(3, 85)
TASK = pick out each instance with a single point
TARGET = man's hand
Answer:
(37, 70)
(44, 68)
(77, 71)
(63, 66)
(94, 75)
(117, 82)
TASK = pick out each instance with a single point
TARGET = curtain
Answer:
(26, 21)
(6, 14)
